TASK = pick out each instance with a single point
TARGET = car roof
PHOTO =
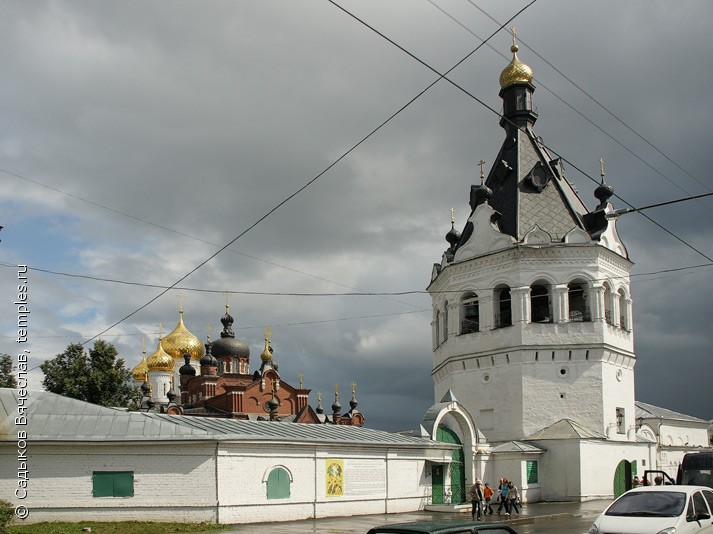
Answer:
(434, 527)
(668, 487)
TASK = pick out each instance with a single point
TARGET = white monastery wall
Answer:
(377, 480)
(559, 470)
(176, 485)
(679, 434)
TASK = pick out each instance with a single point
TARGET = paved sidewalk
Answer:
(360, 524)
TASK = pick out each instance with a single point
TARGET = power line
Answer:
(253, 327)
(305, 186)
(177, 232)
(323, 294)
(471, 95)
(627, 126)
(577, 111)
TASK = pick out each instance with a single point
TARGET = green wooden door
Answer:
(446, 435)
(622, 478)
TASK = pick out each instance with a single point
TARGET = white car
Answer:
(658, 510)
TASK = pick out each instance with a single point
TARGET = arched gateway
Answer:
(448, 422)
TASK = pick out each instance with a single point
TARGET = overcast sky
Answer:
(138, 137)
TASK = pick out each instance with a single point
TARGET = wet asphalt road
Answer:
(539, 518)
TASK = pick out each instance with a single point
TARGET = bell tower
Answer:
(532, 317)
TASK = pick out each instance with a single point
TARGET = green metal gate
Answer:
(446, 435)
(437, 484)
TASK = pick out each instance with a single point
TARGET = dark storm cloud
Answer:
(202, 118)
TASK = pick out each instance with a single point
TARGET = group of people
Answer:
(635, 483)
(482, 495)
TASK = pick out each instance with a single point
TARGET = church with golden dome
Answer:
(186, 377)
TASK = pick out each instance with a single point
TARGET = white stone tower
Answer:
(160, 371)
(532, 317)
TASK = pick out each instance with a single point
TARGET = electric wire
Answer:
(602, 106)
(178, 232)
(326, 294)
(578, 112)
(174, 286)
(250, 327)
(293, 195)
(481, 102)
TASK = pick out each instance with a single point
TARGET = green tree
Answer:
(7, 378)
(98, 377)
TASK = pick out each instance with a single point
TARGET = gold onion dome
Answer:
(181, 341)
(160, 360)
(266, 355)
(516, 71)
(141, 371)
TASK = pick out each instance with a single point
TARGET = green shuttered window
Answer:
(113, 484)
(531, 470)
(278, 484)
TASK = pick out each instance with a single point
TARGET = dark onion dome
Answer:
(480, 194)
(336, 407)
(171, 395)
(145, 388)
(353, 403)
(453, 235)
(187, 369)
(227, 345)
(208, 359)
(603, 193)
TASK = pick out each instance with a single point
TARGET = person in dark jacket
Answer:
(476, 497)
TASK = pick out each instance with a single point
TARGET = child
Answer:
(487, 495)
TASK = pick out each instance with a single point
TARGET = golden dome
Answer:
(141, 371)
(180, 341)
(160, 360)
(266, 355)
(516, 71)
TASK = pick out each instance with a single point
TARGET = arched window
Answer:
(470, 314)
(438, 328)
(503, 307)
(540, 308)
(578, 297)
(623, 311)
(608, 304)
(445, 322)
(278, 484)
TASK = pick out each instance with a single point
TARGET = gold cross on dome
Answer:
(209, 328)
(601, 167)
(514, 34)
(482, 175)
(143, 344)
(301, 376)
(160, 330)
(180, 298)
(453, 215)
(354, 388)
(336, 391)
(267, 334)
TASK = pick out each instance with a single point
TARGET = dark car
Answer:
(443, 527)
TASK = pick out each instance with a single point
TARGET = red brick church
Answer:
(215, 381)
